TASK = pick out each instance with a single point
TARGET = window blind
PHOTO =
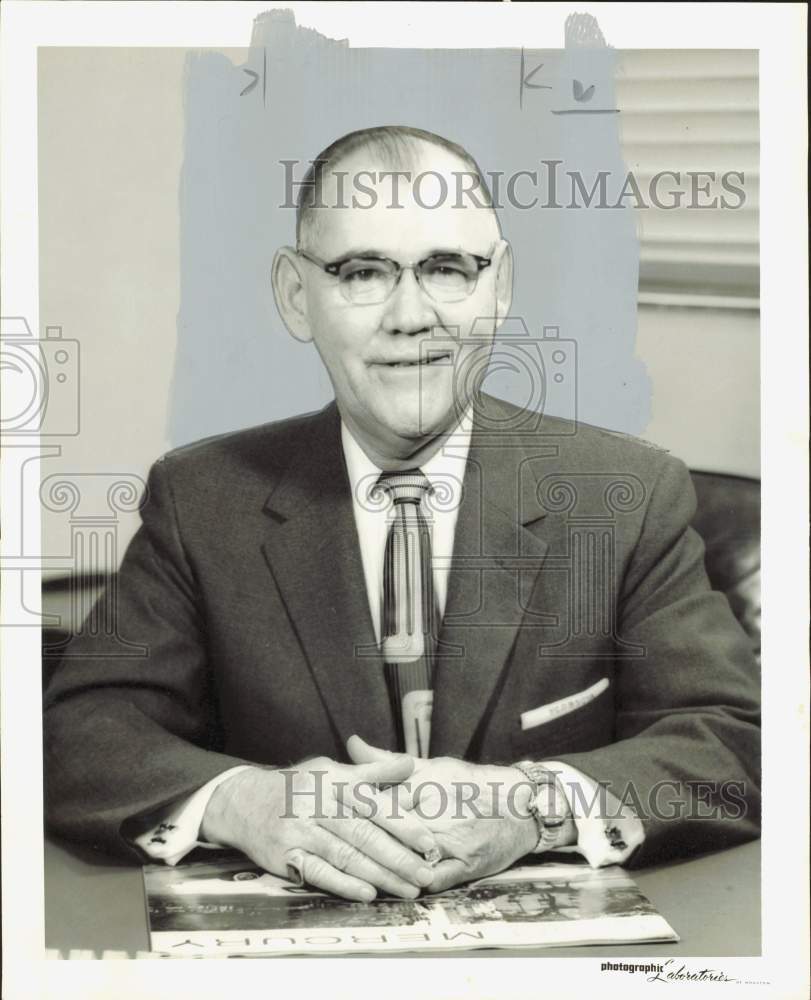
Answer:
(689, 112)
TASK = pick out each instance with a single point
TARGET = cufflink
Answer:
(614, 835)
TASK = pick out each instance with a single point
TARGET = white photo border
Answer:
(778, 31)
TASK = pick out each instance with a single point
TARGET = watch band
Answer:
(541, 804)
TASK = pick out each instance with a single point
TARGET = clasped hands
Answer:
(365, 828)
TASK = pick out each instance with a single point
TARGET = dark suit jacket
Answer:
(573, 562)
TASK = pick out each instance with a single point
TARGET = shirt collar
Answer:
(442, 466)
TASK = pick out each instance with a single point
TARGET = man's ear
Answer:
(288, 291)
(504, 283)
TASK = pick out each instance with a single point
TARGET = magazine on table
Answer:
(230, 906)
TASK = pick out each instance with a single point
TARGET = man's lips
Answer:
(435, 357)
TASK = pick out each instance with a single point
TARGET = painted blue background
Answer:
(577, 269)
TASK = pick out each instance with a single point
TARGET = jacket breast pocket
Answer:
(580, 721)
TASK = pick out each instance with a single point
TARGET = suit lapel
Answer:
(498, 552)
(312, 551)
(311, 548)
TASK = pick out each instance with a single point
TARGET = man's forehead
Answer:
(422, 202)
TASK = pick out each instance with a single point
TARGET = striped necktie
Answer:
(410, 615)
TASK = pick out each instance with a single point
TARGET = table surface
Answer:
(712, 901)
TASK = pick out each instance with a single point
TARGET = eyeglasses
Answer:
(368, 279)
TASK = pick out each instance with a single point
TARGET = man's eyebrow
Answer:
(374, 252)
(360, 252)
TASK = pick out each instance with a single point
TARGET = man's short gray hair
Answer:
(397, 147)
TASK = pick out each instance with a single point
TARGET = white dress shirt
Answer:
(178, 831)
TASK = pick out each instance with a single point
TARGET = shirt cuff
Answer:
(608, 832)
(177, 830)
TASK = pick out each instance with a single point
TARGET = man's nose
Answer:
(408, 308)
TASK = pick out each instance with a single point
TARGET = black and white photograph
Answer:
(405, 428)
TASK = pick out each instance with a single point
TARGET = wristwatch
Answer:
(544, 804)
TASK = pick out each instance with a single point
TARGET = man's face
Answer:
(387, 390)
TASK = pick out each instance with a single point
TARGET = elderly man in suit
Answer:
(404, 641)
